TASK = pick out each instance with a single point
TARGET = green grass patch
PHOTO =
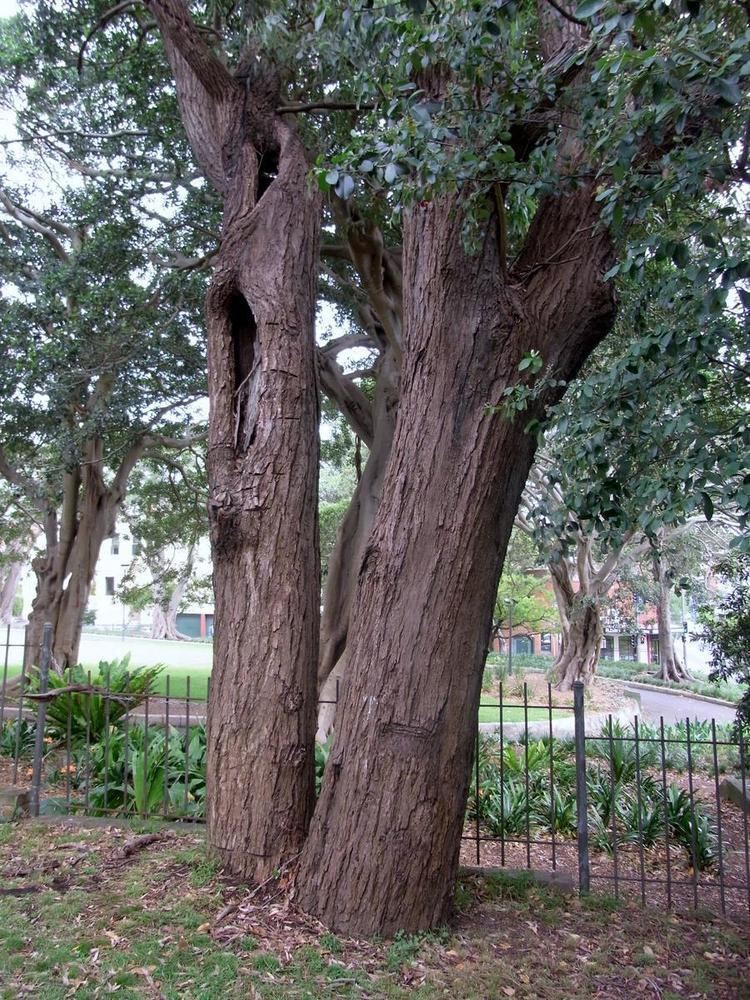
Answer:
(489, 711)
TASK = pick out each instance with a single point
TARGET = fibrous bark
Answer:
(263, 453)
(383, 848)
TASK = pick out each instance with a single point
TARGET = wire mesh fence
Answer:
(628, 807)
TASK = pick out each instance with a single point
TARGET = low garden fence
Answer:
(633, 808)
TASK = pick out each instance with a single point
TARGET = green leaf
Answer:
(728, 91)
(708, 506)
(589, 7)
(332, 177)
(345, 186)
(681, 255)
(391, 173)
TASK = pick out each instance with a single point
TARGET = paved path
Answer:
(674, 707)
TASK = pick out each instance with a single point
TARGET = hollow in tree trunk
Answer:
(263, 451)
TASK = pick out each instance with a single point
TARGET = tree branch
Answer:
(38, 224)
(296, 109)
(347, 342)
(180, 34)
(566, 14)
(348, 397)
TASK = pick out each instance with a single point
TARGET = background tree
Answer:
(524, 594)
(725, 628)
(18, 532)
(166, 512)
(102, 358)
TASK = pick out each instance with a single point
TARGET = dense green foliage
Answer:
(103, 353)
(85, 715)
(627, 804)
(726, 630)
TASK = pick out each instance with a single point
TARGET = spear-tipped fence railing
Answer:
(607, 803)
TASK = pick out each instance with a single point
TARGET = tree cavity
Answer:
(246, 389)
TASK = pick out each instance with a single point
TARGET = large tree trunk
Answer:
(263, 467)
(383, 847)
(671, 667)
(263, 464)
(263, 452)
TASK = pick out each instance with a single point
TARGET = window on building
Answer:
(607, 651)
(109, 586)
(115, 545)
(136, 546)
(546, 642)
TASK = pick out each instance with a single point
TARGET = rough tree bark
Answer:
(263, 452)
(671, 667)
(383, 847)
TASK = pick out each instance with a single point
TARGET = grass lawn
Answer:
(79, 917)
(178, 678)
(514, 713)
(199, 675)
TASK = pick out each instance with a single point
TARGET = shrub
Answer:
(691, 828)
(17, 734)
(514, 793)
(133, 772)
(119, 688)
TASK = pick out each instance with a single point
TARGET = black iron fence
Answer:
(598, 800)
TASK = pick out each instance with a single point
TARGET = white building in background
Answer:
(107, 610)
(116, 556)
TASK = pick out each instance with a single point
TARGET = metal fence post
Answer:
(582, 802)
(41, 716)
